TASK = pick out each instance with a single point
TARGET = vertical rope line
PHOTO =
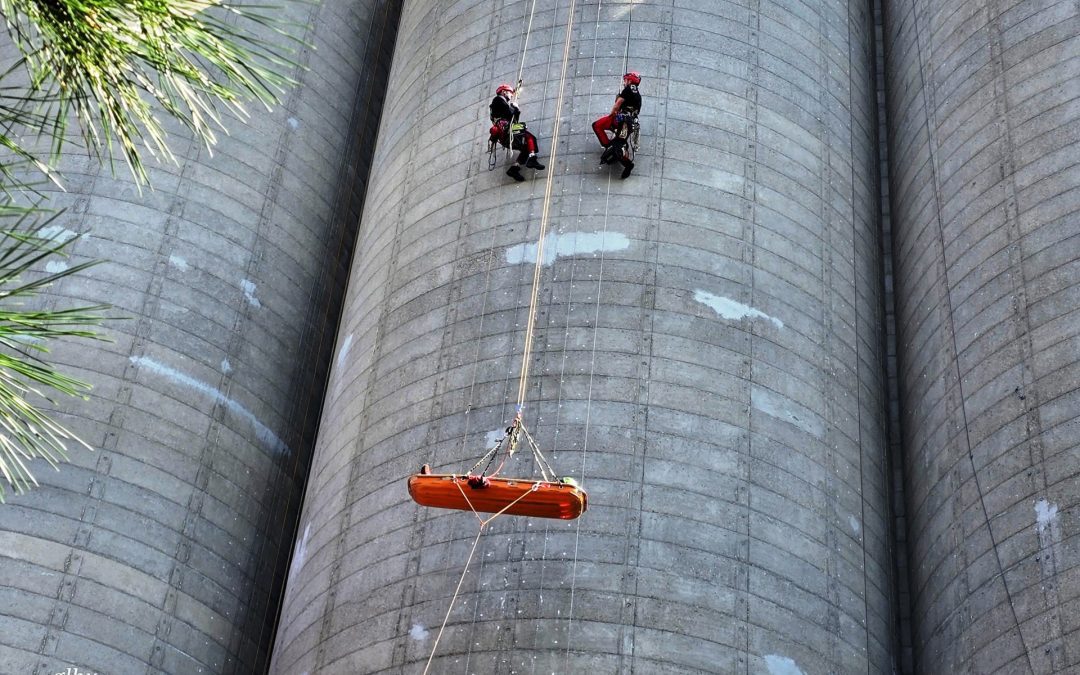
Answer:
(488, 264)
(626, 49)
(592, 359)
(525, 46)
(472, 553)
(527, 353)
(453, 600)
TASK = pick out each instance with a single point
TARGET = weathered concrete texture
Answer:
(985, 114)
(164, 549)
(708, 360)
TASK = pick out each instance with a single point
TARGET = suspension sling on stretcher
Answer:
(549, 497)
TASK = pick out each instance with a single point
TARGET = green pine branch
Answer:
(115, 64)
(115, 69)
(26, 433)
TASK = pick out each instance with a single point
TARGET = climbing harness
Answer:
(505, 134)
(625, 140)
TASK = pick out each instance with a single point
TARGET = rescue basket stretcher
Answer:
(519, 497)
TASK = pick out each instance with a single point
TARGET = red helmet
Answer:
(632, 77)
(502, 88)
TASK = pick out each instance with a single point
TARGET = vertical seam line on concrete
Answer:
(419, 530)
(867, 53)
(1011, 210)
(930, 118)
(828, 320)
(749, 238)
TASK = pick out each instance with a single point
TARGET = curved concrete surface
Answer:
(985, 144)
(708, 359)
(164, 549)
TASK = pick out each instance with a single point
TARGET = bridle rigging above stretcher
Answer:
(507, 445)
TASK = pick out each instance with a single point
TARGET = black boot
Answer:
(532, 163)
(515, 173)
(610, 152)
(628, 166)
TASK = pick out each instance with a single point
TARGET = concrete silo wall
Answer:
(164, 549)
(707, 360)
(985, 141)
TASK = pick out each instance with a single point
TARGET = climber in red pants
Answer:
(626, 108)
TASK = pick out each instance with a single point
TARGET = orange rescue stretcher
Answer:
(488, 494)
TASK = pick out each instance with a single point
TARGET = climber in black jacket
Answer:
(509, 132)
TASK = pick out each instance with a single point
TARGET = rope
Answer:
(454, 599)
(533, 302)
(592, 364)
(472, 552)
(525, 49)
(545, 469)
(492, 154)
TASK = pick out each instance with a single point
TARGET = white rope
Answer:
(472, 552)
(626, 52)
(491, 245)
(592, 362)
(525, 49)
(527, 353)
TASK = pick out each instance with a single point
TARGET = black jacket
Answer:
(631, 99)
(501, 109)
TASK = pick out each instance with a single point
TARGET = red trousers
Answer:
(523, 141)
(605, 123)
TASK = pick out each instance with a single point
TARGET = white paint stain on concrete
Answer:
(55, 266)
(1045, 514)
(179, 263)
(781, 665)
(783, 408)
(343, 353)
(418, 632)
(301, 552)
(226, 367)
(735, 311)
(1052, 553)
(294, 123)
(854, 523)
(493, 437)
(568, 244)
(262, 432)
(57, 234)
(249, 293)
